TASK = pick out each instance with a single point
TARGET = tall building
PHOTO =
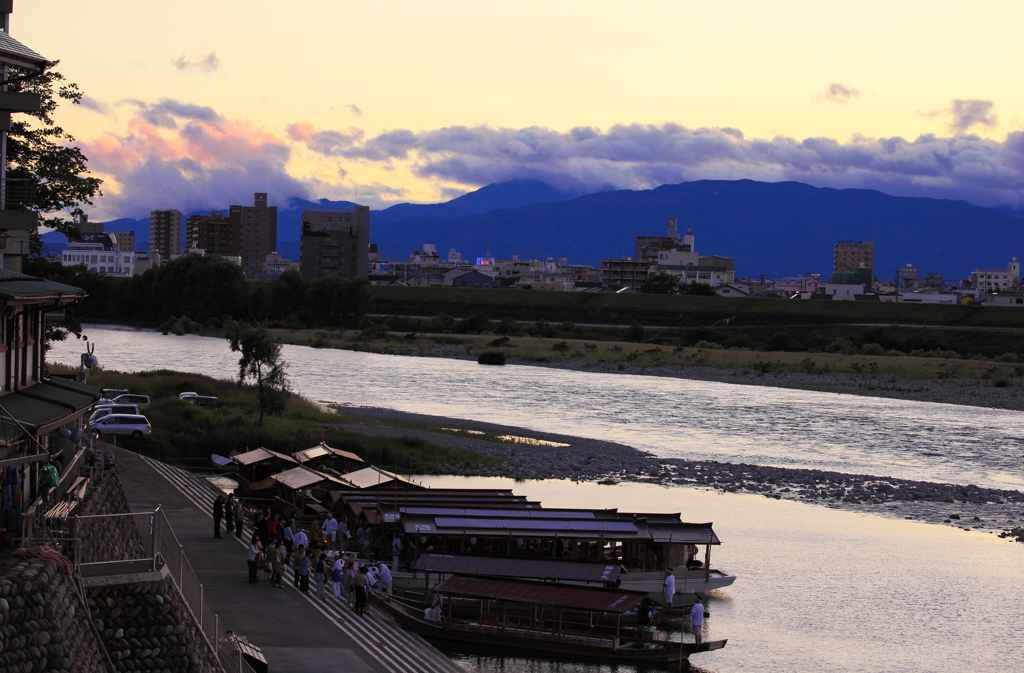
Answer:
(854, 263)
(258, 227)
(164, 233)
(997, 280)
(214, 234)
(335, 242)
(648, 247)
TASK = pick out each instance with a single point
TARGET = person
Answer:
(277, 564)
(236, 505)
(273, 525)
(302, 571)
(373, 575)
(360, 539)
(330, 530)
(297, 556)
(361, 585)
(299, 537)
(396, 552)
(218, 514)
(229, 513)
(351, 570)
(644, 614)
(289, 537)
(670, 587)
(337, 576)
(385, 578)
(433, 613)
(697, 620)
(253, 558)
(262, 527)
(343, 535)
(320, 574)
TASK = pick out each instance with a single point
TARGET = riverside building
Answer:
(335, 242)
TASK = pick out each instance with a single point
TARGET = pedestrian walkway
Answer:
(297, 632)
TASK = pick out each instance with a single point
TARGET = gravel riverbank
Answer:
(966, 507)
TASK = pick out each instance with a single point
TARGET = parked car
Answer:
(111, 393)
(201, 401)
(184, 395)
(107, 410)
(142, 401)
(123, 424)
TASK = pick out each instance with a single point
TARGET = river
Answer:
(819, 590)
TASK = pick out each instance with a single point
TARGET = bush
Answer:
(634, 333)
(709, 345)
(1008, 357)
(872, 349)
(561, 346)
(841, 345)
(491, 358)
(499, 342)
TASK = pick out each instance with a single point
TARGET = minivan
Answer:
(123, 424)
(141, 400)
(107, 410)
(111, 393)
(201, 401)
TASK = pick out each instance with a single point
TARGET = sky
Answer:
(192, 105)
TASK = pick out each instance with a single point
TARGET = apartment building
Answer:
(854, 263)
(335, 242)
(164, 233)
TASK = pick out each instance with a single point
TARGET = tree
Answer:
(261, 361)
(40, 153)
(661, 283)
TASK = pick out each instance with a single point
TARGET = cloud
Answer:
(206, 64)
(968, 113)
(328, 143)
(642, 156)
(90, 103)
(838, 93)
(201, 163)
(355, 109)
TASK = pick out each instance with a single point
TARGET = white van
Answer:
(123, 424)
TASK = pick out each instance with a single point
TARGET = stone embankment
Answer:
(146, 627)
(968, 507)
(109, 538)
(43, 623)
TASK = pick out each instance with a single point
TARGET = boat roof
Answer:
(322, 451)
(512, 523)
(548, 569)
(372, 477)
(538, 593)
(303, 477)
(685, 533)
(510, 513)
(260, 455)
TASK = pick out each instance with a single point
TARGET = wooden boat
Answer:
(542, 618)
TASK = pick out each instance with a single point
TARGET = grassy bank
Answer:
(183, 433)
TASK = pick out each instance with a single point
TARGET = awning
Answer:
(303, 477)
(547, 569)
(372, 477)
(534, 593)
(324, 452)
(260, 455)
(42, 407)
(683, 533)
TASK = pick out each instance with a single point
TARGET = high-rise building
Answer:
(258, 227)
(214, 234)
(164, 233)
(335, 242)
(854, 263)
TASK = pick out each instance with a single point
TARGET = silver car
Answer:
(123, 424)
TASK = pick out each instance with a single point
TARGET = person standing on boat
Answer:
(697, 620)
(670, 587)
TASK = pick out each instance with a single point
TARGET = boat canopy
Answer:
(324, 452)
(373, 477)
(260, 455)
(303, 477)
(683, 533)
(543, 569)
(534, 593)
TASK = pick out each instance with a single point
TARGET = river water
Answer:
(819, 590)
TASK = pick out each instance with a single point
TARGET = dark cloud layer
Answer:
(646, 155)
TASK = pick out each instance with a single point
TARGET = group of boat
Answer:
(491, 567)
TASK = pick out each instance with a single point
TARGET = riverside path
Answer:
(298, 633)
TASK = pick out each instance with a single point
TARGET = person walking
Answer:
(274, 525)
(296, 558)
(218, 514)
(351, 570)
(320, 574)
(302, 571)
(385, 577)
(361, 585)
(697, 620)
(330, 529)
(299, 537)
(253, 558)
(239, 514)
(277, 564)
(261, 526)
(669, 587)
(229, 513)
(289, 538)
(337, 576)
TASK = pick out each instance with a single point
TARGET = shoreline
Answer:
(995, 511)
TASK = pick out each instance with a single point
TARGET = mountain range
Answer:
(769, 228)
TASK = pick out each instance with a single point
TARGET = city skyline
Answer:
(418, 103)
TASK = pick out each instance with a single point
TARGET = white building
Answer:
(99, 253)
(997, 280)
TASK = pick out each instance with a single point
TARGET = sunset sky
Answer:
(192, 105)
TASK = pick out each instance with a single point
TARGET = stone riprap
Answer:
(43, 623)
(968, 507)
(109, 538)
(146, 627)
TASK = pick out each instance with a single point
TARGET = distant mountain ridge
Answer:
(769, 228)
